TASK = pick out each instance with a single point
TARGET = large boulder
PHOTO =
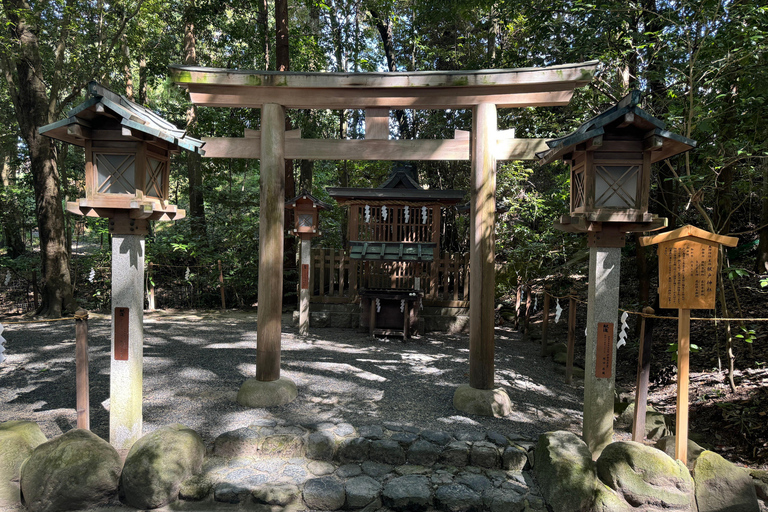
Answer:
(722, 486)
(565, 471)
(646, 478)
(17, 441)
(74, 471)
(158, 464)
(667, 445)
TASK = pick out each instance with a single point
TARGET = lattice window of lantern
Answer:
(116, 173)
(616, 186)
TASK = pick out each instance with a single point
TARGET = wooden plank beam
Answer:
(333, 149)
(376, 123)
(576, 72)
(503, 97)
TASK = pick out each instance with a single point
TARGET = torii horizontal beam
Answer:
(522, 87)
(507, 148)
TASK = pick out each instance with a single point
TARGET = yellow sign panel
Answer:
(687, 274)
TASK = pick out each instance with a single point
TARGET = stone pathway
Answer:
(327, 466)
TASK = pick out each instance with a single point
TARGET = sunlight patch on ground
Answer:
(345, 369)
(245, 344)
(462, 420)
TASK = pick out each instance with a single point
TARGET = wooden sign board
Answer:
(121, 334)
(604, 356)
(304, 276)
(688, 274)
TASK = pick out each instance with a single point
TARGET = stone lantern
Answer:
(306, 226)
(610, 159)
(127, 162)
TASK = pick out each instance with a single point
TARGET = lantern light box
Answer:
(610, 159)
(306, 214)
(127, 157)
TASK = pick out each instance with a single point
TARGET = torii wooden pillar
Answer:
(377, 93)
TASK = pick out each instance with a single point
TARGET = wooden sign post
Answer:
(687, 280)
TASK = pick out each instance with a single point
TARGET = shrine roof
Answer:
(306, 195)
(82, 122)
(623, 115)
(520, 87)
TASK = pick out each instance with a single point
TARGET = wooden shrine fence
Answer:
(334, 278)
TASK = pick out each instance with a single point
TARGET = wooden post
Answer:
(482, 260)
(571, 336)
(372, 317)
(271, 224)
(545, 321)
(304, 286)
(643, 375)
(221, 286)
(528, 306)
(518, 303)
(34, 287)
(81, 370)
(151, 289)
(683, 355)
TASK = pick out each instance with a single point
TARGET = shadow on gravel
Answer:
(193, 368)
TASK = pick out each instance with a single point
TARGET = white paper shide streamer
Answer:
(2, 344)
(186, 275)
(402, 305)
(367, 213)
(423, 214)
(378, 306)
(91, 275)
(7, 277)
(623, 334)
(406, 212)
(535, 302)
(558, 311)
(384, 212)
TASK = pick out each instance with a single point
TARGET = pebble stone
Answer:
(326, 493)
(348, 471)
(361, 491)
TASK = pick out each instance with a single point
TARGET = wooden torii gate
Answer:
(481, 91)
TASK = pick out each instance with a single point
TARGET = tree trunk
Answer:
(264, 24)
(282, 57)
(194, 163)
(12, 215)
(127, 67)
(30, 98)
(385, 31)
(761, 265)
(143, 80)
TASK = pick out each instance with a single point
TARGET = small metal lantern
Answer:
(306, 214)
(127, 159)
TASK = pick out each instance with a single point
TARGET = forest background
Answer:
(701, 66)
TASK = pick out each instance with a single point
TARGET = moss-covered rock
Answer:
(158, 464)
(74, 471)
(565, 471)
(608, 500)
(667, 445)
(722, 486)
(17, 441)
(760, 479)
(657, 426)
(646, 478)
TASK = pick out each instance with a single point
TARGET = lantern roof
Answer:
(400, 185)
(136, 121)
(291, 203)
(624, 115)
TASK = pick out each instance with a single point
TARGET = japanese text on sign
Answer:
(687, 276)
(604, 356)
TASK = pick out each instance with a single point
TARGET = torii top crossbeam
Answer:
(522, 87)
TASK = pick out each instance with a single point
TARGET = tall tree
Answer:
(36, 81)
(194, 160)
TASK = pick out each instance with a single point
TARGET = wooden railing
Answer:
(334, 278)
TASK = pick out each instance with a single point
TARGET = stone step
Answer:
(336, 466)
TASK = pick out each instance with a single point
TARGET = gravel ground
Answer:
(195, 363)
